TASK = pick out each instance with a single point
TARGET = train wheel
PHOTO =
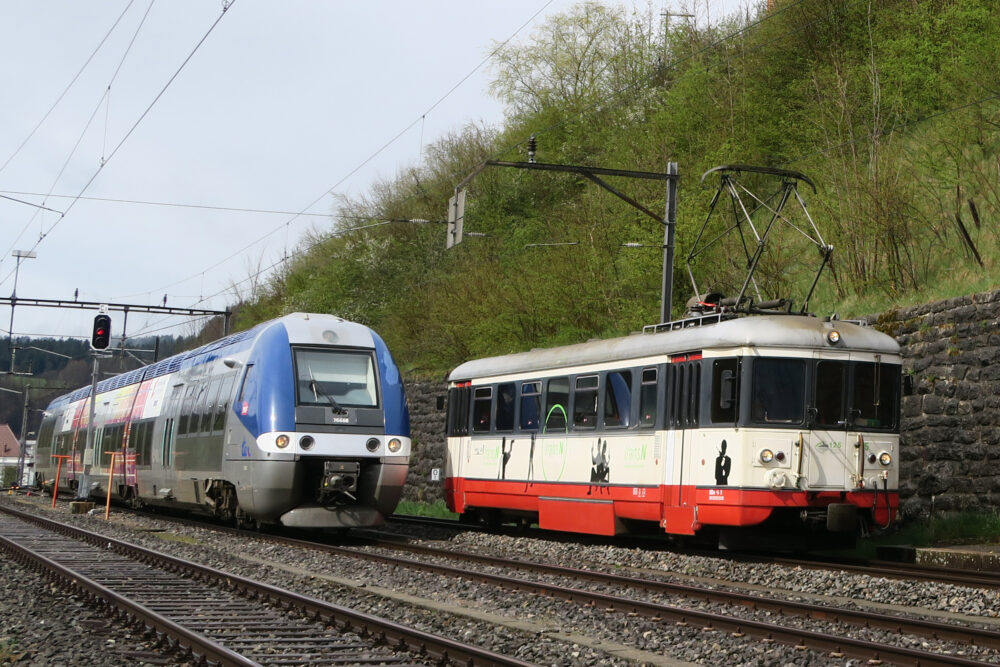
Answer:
(246, 522)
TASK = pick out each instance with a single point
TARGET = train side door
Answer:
(825, 463)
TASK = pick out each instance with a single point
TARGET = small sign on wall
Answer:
(435, 474)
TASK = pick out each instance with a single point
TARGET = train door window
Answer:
(725, 388)
(585, 402)
(208, 407)
(618, 399)
(681, 373)
(505, 406)
(556, 400)
(245, 386)
(531, 405)
(482, 403)
(875, 395)
(184, 425)
(222, 402)
(166, 444)
(647, 398)
(694, 394)
(458, 411)
(778, 391)
(831, 378)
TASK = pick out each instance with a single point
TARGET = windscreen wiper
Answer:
(337, 408)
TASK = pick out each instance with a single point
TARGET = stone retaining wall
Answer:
(951, 421)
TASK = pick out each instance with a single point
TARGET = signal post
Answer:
(99, 340)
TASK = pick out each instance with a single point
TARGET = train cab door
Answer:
(826, 459)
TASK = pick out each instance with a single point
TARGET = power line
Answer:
(330, 190)
(43, 235)
(68, 86)
(207, 207)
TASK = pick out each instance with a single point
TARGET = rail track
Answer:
(629, 590)
(217, 617)
(976, 579)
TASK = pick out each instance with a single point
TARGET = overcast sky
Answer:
(282, 104)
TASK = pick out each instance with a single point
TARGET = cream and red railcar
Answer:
(702, 427)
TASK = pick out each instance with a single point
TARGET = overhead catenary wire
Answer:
(67, 88)
(43, 235)
(333, 188)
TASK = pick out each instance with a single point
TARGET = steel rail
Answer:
(768, 631)
(442, 649)
(197, 644)
(928, 629)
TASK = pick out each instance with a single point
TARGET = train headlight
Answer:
(306, 441)
(372, 444)
(395, 445)
(833, 336)
(281, 441)
(766, 456)
(885, 458)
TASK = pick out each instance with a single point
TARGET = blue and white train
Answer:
(300, 421)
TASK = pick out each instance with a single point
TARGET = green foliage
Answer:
(437, 509)
(888, 107)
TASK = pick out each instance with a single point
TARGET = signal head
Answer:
(101, 336)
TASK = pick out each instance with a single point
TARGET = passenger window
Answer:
(778, 391)
(618, 399)
(830, 377)
(531, 404)
(647, 398)
(585, 402)
(481, 405)
(556, 399)
(505, 406)
(725, 388)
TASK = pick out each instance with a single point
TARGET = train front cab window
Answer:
(778, 391)
(875, 395)
(326, 377)
(825, 394)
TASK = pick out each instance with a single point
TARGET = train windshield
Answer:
(335, 378)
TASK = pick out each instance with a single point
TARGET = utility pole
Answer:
(669, 225)
(83, 488)
(24, 438)
(19, 255)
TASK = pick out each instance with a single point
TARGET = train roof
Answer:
(772, 331)
(346, 333)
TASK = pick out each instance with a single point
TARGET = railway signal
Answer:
(102, 332)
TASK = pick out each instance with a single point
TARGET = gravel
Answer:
(536, 629)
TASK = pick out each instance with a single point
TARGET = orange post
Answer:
(111, 479)
(55, 488)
